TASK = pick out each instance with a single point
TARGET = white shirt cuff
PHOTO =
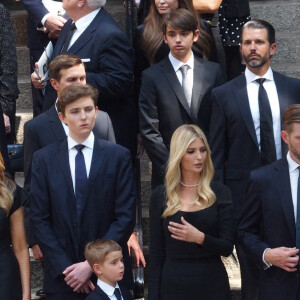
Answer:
(267, 265)
(46, 16)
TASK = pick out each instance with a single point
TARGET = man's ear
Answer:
(165, 39)
(285, 136)
(196, 35)
(54, 83)
(96, 110)
(273, 49)
(81, 3)
(62, 117)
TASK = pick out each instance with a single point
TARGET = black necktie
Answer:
(118, 294)
(80, 181)
(68, 38)
(267, 142)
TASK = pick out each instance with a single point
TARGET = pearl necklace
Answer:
(188, 185)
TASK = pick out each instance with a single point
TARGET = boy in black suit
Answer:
(106, 260)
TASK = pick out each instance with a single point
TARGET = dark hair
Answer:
(63, 62)
(96, 251)
(260, 24)
(152, 38)
(291, 115)
(74, 92)
(180, 19)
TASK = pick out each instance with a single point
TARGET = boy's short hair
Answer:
(96, 251)
(290, 116)
(74, 92)
(63, 62)
(180, 19)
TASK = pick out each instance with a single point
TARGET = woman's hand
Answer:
(186, 232)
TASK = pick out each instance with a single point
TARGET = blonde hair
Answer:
(152, 37)
(7, 187)
(181, 139)
(95, 252)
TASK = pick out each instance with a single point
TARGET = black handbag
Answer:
(16, 158)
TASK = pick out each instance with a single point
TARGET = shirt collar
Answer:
(86, 20)
(177, 63)
(250, 76)
(107, 288)
(89, 142)
(292, 164)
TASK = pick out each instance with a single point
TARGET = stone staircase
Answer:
(286, 60)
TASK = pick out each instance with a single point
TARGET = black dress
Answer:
(10, 283)
(181, 270)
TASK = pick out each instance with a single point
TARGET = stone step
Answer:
(19, 18)
(283, 15)
(25, 98)
(23, 61)
(22, 116)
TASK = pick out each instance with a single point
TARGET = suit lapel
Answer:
(55, 125)
(97, 160)
(241, 97)
(64, 165)
(87, 34)
(283, 185)
(171, 76)
(197, 87)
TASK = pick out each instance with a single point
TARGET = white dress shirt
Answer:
(108, 289)
(82, 24)
(87, 152)
(190, 72)
(294, 174)
(270, 87)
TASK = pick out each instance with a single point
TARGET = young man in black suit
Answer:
(82, 189)
(108, 58)
(169, 99)
(246, 123)
(106, 260)
(269, 229)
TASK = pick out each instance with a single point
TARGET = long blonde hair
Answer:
(181, 139)
(6, 189)
(152, 38)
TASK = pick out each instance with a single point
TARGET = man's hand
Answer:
(77, 275)
(186, 232)
(36, 79)
(133, 244)
(37, 253)
(6, 123)
(87, 287)
(54, 25)
(283, 257)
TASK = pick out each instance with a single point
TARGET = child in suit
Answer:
(106, 260)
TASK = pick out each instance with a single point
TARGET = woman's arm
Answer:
(21, 250)
(206, 6)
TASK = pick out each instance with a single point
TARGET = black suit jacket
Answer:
(109, 69)
(108, 211)
(99, 294)
(267, 221)
(232, 138)
(163, 107)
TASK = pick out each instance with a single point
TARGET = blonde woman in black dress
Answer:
(14, 257)
(190, 225)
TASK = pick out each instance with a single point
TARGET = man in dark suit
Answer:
(269, 229)
(82, 189)
(42, 27)
(108, 58)
(246, 123)
(164, 102)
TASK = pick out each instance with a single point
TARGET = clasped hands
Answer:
(77, 276)
(283, 257)
(186, 232)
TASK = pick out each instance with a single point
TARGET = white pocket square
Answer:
(84, 60)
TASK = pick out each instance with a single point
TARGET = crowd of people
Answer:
(224, 148)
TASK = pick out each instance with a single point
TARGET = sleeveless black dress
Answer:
(181, 270)
(10, 283)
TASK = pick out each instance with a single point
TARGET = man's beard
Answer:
(257, 62)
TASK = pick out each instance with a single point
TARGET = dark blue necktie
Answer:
(298, 214)
(80, 181)
(118, 294)
(68, 38)
(267, 142)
